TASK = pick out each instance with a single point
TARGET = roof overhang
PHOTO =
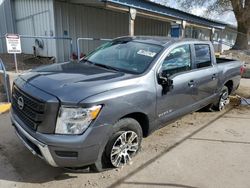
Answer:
(151, 9)
(95, 3)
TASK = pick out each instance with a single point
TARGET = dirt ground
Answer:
(19, 168)
(24, 61)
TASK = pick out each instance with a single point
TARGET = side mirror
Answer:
(165, 82)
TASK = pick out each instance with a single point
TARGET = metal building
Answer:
(95, 19)
(6, 21)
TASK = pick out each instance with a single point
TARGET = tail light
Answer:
(242, 70)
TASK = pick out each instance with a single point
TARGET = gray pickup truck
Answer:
(95, 112)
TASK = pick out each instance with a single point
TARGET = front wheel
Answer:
(124, 148)
(123, 145)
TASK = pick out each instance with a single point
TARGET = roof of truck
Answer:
(158, 40)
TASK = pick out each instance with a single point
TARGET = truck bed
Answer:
(223, 60)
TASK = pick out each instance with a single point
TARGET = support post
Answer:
(131, 27)
(183, 27)
(191, 31)
(132, 16)
(15, 59)
(212, 34)
(221, 35)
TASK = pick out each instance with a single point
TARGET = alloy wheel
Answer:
(224, 100)
(124, 148)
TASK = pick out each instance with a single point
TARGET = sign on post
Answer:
(13, 43)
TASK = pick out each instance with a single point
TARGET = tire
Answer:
(223, 100)
(118, 150)
(208, 108)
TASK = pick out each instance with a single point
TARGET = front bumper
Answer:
(57, 150)
(30, 142)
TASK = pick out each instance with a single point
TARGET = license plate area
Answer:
(30, 145)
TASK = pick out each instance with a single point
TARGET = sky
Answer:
(227, 17)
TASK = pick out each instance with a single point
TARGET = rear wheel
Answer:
(223, 100)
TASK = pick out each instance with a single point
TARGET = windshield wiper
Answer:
(107, 67)
(88, 61)
(101, 65)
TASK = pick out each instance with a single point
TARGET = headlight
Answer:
(75, 120)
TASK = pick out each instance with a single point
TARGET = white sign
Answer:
(13, 43)
(146, 53)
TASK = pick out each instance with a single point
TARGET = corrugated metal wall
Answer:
(6, 22)
(76, 20)
(146, 26)
(36, 18)
(60, 18)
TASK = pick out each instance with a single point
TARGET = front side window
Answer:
(178, 60)
(126, 56)
(202, 55)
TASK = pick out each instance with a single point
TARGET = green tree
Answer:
(241, 9)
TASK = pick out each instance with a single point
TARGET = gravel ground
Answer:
(19, 168)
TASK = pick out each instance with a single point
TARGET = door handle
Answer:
(191, 83)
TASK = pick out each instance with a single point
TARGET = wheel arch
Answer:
(142, 120)
(229, 84)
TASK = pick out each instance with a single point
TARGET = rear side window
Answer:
(202, 55)
(178, 60)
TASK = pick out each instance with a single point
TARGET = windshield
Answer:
(126, 56)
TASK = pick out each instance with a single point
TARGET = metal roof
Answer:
(152, 7)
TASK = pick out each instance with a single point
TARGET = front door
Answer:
(174, 103)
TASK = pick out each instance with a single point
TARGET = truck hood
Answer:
(73, 82)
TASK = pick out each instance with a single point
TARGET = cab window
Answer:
(178, 60)
(202, 55)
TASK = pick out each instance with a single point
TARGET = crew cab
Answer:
(95, 112)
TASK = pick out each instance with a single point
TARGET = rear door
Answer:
(206, 72)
